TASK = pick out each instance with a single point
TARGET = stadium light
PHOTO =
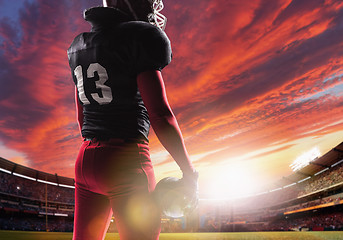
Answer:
(289, 185)
(303, 180)
(305, 159)
(335, 164)
(277, 189)
(23, 176)
(6, 171)
(61, 214)
(261, 193)
(317, 173)
(47, 182)
(38, 180)
(66, 186)
(44, 213)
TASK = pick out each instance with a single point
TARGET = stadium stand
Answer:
(34, 200)
(309, 199)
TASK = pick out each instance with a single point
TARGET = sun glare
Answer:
(232, 181)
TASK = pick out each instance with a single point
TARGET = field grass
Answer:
(17, 235)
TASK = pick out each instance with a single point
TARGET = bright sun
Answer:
(233, 181)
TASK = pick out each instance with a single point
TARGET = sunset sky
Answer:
(253, 83)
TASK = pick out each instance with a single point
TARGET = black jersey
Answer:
(105, 63)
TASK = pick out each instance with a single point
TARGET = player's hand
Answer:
(190, 182)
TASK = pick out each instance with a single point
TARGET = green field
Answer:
(16, 235)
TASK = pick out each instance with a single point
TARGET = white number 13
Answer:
(100, 84)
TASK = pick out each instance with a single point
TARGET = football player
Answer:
(116, 68)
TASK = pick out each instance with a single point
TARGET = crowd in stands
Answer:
(266, 200)
(35, 207)
(260, 220)
(319, 203)
(276, 197)
(322, 222)
(35, 190)
(22, 202)
(329, 221)
(328, 178)
(323, 180)
(35, 223)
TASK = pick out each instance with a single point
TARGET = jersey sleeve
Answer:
(153, 50)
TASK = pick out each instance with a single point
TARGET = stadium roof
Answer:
(321, 164)
(30, 173)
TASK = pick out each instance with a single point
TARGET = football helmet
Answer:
(143, 10)
(176, 197)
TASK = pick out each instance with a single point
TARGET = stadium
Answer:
(256, 88)
(308, 201)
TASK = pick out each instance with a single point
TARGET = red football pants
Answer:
(115, 177)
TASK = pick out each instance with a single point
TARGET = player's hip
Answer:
(114, 167)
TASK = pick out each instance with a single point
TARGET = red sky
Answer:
(254, 84)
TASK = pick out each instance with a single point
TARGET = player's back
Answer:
(105, 63)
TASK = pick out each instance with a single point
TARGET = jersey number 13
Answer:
(106, 91)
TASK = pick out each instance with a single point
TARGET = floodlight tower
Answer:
(305, 159)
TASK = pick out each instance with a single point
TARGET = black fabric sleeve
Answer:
(153, 50)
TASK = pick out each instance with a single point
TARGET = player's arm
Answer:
(163, 121)
(79, 110)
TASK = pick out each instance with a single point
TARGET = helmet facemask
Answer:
(156, 18)
(142, 10)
